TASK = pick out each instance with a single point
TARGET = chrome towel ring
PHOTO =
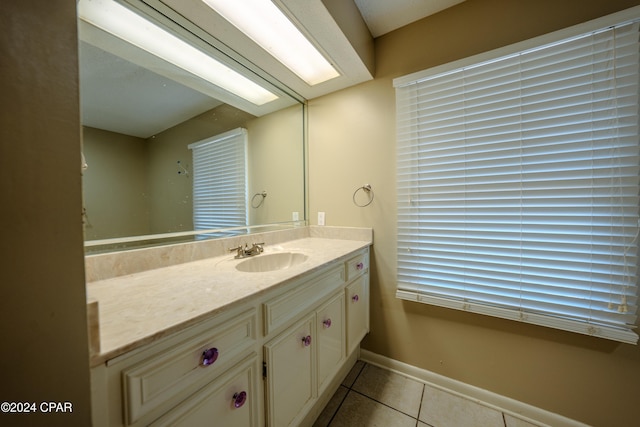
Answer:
(368, 191)
(262, 195)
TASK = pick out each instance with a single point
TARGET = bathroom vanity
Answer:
(262, 344)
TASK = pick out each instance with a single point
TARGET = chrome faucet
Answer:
(256, 249)
(246, 251)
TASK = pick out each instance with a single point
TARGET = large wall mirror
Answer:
(139, 116)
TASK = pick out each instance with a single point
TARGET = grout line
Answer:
(351, 389)
(348, 387)
(420, 407)
(338, 408)
(358, 376)
(382, 403)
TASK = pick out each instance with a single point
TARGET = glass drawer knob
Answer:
(306, 341)
(209, 356)
(355, 298)
(359, 266)
(327, 323)
(239, 399)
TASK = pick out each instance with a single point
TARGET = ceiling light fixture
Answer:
(133, 28)
(265, 24)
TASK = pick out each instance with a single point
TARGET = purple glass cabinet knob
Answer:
(327, 323)
(239, 399)
(355, 298)
(209, 356)
(359, 266)
(306, 341)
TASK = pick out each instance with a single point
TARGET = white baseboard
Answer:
(505, 404)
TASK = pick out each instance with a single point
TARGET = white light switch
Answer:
(320, 218)
(295, 216)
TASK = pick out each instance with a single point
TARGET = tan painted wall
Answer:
(351, 142)
(132, 186)
(115, 186)
(43, 325)
(171, 194)
(276, 165)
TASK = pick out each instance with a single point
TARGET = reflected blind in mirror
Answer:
(518, 185)
(220, 181)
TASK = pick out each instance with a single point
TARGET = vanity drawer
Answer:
(231, 400)
(285, 308)
(357, 265)
(169, 376)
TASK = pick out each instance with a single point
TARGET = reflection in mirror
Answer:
(137, 126)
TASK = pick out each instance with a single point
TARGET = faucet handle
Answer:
(238, 251)
(258, 246)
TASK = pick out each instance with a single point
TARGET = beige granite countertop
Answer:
(136, 309)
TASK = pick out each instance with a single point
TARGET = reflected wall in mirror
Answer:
(137, 125)
(135, 186)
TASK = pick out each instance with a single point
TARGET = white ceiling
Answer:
(122, 97)
(383, 16)
(115, 90)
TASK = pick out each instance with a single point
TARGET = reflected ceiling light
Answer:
(133, 28)
(265, 24)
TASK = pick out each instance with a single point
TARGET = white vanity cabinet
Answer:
(274, 360)
(290, 365)
(302, 361)
(213, 363)
(291, 356)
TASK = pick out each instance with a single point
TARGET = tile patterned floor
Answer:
(372, 396)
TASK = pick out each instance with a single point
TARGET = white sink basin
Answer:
(271, 262)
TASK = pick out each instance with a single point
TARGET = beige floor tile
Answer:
(327, 413)
(359, 411)
(442, 409)
(512, 421)
(394, 390)
(353, 374)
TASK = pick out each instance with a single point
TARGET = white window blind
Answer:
(220, 181)
(518, 185)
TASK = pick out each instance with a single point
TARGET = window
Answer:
(518, 182)
(220, 181)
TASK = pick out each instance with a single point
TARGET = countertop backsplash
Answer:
(114, 264)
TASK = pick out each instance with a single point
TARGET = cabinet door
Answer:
(290, 368)
(230, 400)
(330, 333)
(357, 301)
